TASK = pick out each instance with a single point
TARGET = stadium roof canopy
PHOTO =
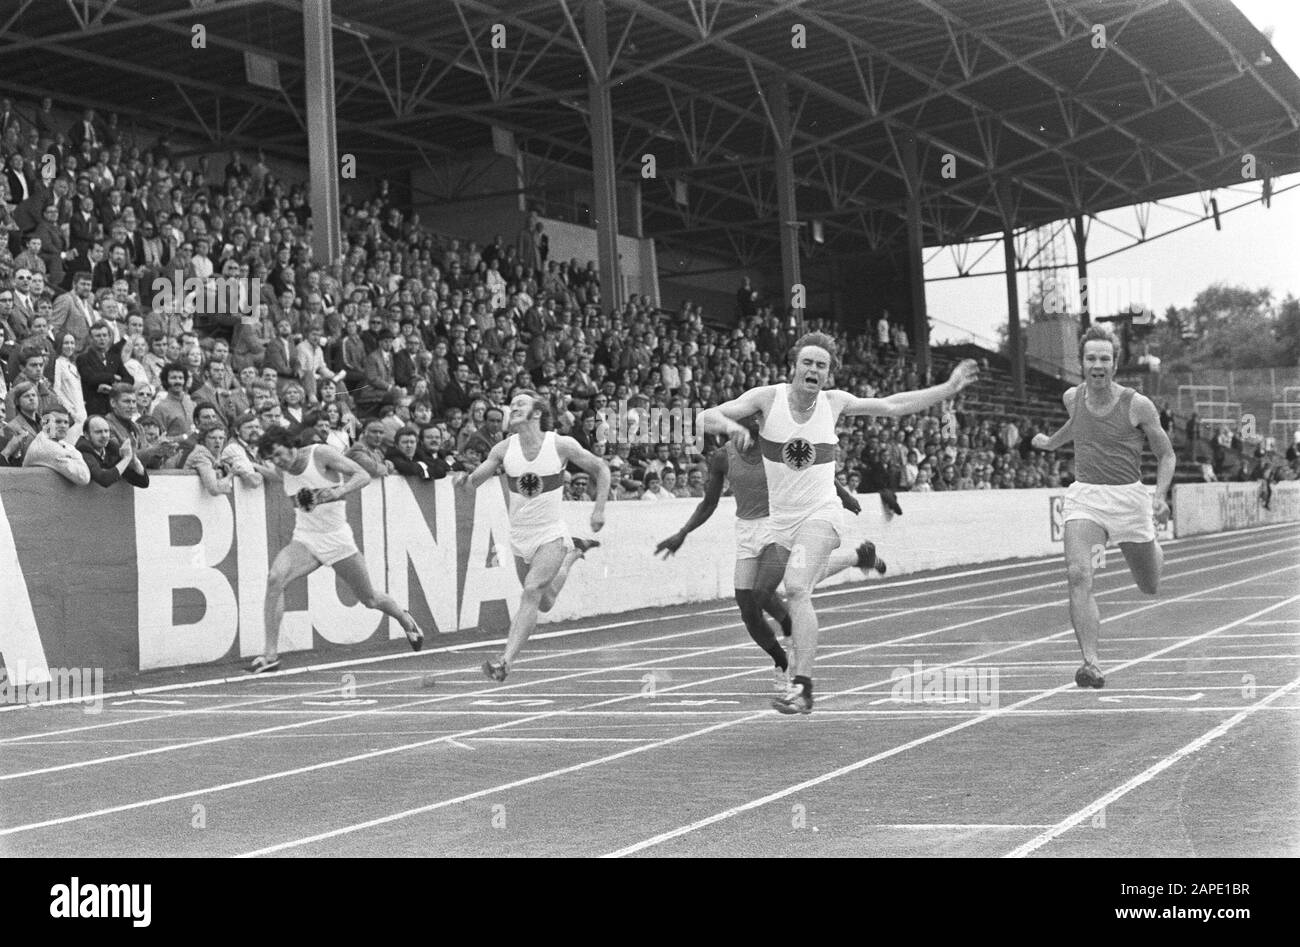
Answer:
(1018, 92)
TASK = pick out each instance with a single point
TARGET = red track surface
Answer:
(655, 737)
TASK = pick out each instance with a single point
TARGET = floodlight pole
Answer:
(322, 137)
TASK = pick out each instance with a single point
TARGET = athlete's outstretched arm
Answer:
(355, 476)
(1143, 414)
(486, 470)
(571, 451)
(721, 419)
(709, 503)
(903, 403)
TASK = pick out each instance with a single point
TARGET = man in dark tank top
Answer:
(1108, 502)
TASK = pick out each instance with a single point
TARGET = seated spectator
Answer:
(205, 460)
(107, 459)
(50, 449)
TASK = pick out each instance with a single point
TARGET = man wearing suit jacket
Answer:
(107, 272)
(20, 183)
(60, 149)
(83, 227)
(83, 133)
(54, 248)
(24, 302)
(281, 354)
(101, 368)
(74, 311)
(379, 372)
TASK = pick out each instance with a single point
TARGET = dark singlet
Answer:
(1107, 449)
(748, 484)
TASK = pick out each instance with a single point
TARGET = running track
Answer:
(654, 737)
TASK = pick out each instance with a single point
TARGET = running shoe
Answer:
(1089, 676)
(794, 701)
(584, 545)
(780, 680)
(262, 666)
(496, 670)
(415, 636)
(868, 560)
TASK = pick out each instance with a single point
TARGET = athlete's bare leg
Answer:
(292, 563)
(353, 571)
(809, 558)
(553, 590)
(751, 603)
(1145, 562)
(1082, 538)
(545, 566)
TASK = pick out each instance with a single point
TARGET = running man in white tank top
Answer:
(798, 444)
(533, 462)
(760, 562)
(1107, 502)
(316, 479)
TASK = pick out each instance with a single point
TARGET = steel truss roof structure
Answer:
(1016, 99)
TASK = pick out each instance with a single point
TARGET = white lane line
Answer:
(382, 820)
(1147, 774)
(912, 744)
(956, 826)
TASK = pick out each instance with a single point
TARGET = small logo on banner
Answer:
(797, 453)
(1056, 516)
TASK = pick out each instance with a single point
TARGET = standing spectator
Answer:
(175, 410)
(17, 434)
(68, 385)
(240, 453)
(108, 460)
(882, 331)
(368, 452)
(32, 370)
(527, 243)
(50, 449)
(205, 460)
(74, 311)
(100, 368)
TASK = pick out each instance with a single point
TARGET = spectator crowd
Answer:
(402, 352)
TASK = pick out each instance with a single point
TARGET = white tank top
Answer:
(799, 458)
(325, 518)
(536, 486)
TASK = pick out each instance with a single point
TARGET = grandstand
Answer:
(653, 234)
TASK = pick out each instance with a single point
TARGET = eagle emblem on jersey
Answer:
(797, 453)
(530, 484)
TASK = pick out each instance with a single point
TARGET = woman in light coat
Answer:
(67, 385)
